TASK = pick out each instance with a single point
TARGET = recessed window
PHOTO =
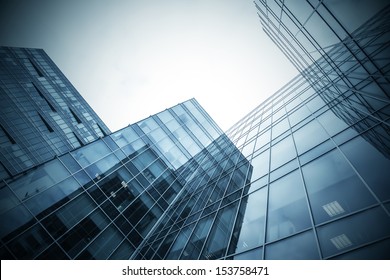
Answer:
(49, 128)
(75, 116)
(36, 68)
(44, 98)
(9, 137)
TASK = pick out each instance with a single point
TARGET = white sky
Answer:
(131, 59)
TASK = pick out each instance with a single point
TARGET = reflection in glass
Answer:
(305, 142)
(333, 187)
(287, 210)
(249, 229)
(218, 238)
(282, 152)
(298, 247)
(353, 231)
(371, 164)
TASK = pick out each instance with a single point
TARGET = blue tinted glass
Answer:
(12, 220)
(299, 247)
(91, 153)
(124, 136)
(376, 251)
(353, 231)
(330, 181)
(218, 238)
(70, 163)
(181, 241)
(287, 210)
(249, 229)
(260, 165)
(123, 252)
(282, 152)
(372, 162)
(309, 136)
(256, 254)
(331, 122)
(39, 179)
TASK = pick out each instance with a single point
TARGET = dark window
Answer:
(49, 128)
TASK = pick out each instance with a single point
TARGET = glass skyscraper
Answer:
(101, 200)
(41, 114)
(302, 176)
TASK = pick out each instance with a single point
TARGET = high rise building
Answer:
(101, 200)
(41, 114)
(303, 176)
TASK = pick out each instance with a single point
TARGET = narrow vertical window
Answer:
(44, 98)
(9, 137)
(49, 128)
(36, 68)
(75, 116)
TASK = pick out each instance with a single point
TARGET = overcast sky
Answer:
(131, 59)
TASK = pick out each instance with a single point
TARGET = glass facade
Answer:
(302, 176)
(41, 114)
(101, 200)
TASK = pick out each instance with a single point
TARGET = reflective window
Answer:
(376, 251)
(362, 11)
(332, 123)
(91, 153)
(260, 165)
(282, 152)
(69, 215)
(249, 229)
(39, 179)
(54, 196)
(181, 241)
(309, 136)
(32, 242)
(371, 160)
(85, 231)
(353, 231)
(263, 139)
(13, 219)
(97, 170)
(279, 128)
(287, 210)
(103, 245)
(299, 115)
(218, 239)
(123, 252)
(333, 187)
(148, 125)
(300, 247)
(256, 254)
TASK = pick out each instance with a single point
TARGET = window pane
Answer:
(348, 233)
(287, 210)
(282, 152)
(305, 142)
(91, 153)
(255, 254)
(332, 123)
(260, 165)
(333, 187)
(372, 163)
(299, 247)
(249, 229)
(377, 251)
(218, 239)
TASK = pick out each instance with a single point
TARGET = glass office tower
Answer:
(41, 114)
(101, 200)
